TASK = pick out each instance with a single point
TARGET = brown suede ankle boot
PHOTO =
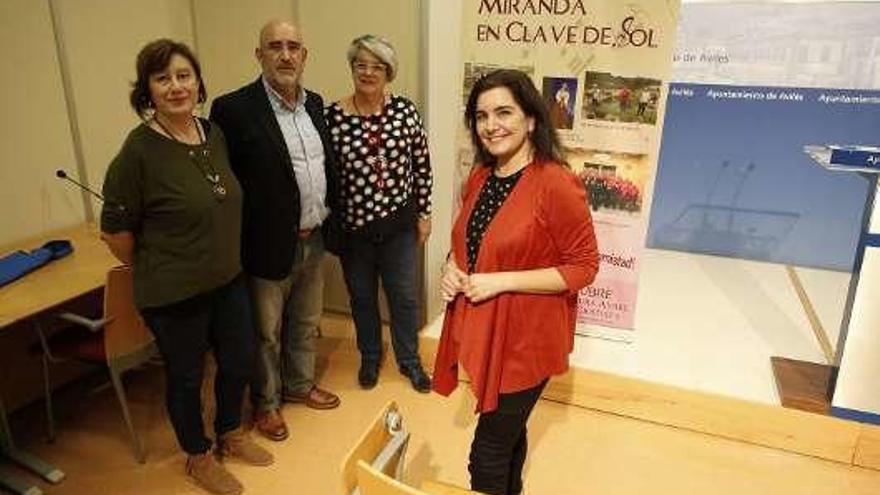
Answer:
(209, 474)
(239, 445)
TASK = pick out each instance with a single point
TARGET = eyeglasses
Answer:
(364, 67)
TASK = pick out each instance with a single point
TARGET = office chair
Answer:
(380, 451)
(119, 340)
(372, 481)
(383, 445)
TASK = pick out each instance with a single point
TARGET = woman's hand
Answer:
(423, 229)
(453, 280)
(483, 286)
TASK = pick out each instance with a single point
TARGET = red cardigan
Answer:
(515, 340)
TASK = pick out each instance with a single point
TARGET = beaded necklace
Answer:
(372, 125)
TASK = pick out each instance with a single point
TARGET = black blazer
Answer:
(261, 162)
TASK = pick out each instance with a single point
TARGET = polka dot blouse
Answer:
(495, 191)
(384, 164)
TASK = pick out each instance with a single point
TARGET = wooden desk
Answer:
(30, 297)
(60, 281)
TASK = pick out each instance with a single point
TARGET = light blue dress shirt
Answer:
(306, 154)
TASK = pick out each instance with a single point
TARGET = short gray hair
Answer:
(378, 46)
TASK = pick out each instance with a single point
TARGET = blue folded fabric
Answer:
(20, 263)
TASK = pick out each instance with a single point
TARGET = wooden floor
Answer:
(572, 450)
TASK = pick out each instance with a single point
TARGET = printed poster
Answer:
(603, 68)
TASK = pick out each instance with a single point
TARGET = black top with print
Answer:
(495, 191)
(385, 168)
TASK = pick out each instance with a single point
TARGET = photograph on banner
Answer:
(620, 51)
(559, 95)
(474, 71)
(733, 178)
(615, 98)
(615, 182)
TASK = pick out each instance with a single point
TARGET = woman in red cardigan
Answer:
(522, 247)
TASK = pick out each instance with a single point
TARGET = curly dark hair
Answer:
(153, 58)
(544, 138)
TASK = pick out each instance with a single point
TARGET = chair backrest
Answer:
(126, 333)
(374, 482)
(382, 446)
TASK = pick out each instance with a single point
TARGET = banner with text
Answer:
(753, 84)
(603, 67)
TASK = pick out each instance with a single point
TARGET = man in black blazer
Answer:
(280, 151)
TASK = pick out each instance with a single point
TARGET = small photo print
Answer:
(559, 95)
(615, 98)
(615, 182)
(474, 72)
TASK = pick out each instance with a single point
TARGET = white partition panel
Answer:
(101, 39)
(35, 137)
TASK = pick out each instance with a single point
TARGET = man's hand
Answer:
(423, 229)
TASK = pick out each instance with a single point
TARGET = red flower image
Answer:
(609, 191)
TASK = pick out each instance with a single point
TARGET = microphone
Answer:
(61, 174)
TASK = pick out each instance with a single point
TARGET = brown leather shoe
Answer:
(271, 425)
(316, 398)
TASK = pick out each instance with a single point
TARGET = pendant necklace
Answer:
(376, 158)
(201, 159)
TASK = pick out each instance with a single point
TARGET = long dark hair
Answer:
(153, 58)
(544, 138)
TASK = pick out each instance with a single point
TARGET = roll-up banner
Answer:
(603, 68)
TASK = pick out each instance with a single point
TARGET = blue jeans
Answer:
(219, 320)
(393, 258)
(288, 313)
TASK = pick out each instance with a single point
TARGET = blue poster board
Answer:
(733, 179)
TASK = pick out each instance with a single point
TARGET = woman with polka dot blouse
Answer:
(523, 246)
(382, 151)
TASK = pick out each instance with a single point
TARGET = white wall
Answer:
(443, 80)
(330, 25)
(34, 134)
(226, 34)
(100, 42)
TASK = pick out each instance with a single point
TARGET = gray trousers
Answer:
(288, 313)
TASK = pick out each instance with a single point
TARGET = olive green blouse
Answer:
(187, 234)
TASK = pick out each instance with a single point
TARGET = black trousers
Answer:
(219, 320)
(498, 451)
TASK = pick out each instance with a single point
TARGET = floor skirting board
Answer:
(815, 435)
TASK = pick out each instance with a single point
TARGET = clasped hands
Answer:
(477, 287)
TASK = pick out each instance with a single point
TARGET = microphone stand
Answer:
(61, 174)
(711, 193)
(736, 192)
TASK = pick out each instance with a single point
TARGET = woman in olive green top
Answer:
(173, 211)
